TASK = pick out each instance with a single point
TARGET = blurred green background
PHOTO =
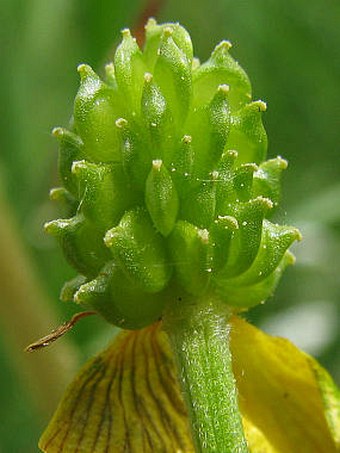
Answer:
(291, 51)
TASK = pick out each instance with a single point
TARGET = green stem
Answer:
(200, 338)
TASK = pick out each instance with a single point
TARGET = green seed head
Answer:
(166, 185)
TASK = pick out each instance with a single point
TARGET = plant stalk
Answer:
(25, 312)
(200, 338)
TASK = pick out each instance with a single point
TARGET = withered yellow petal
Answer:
(125, 400)
(281, 393)
(128, 399)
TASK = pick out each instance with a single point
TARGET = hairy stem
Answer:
(200, 337)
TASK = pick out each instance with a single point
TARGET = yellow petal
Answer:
(257, 442)
(125, 400)
(280, 393)
(330, 397)
(128, 399)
